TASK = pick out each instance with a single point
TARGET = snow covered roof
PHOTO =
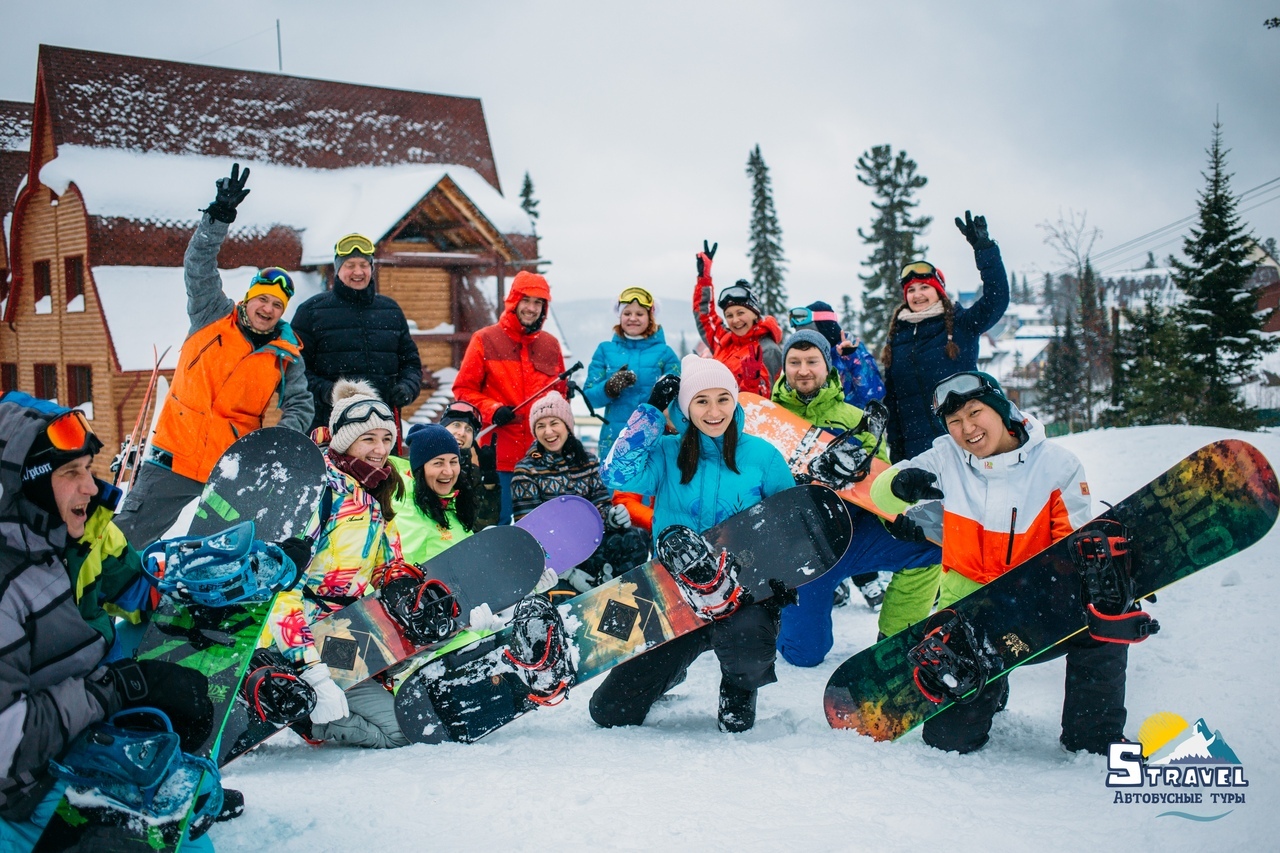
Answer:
(105, 100)
(15, 126)
(1036, 331)
(148, 305)
(322, 204)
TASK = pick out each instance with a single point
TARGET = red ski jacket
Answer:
(749, 355)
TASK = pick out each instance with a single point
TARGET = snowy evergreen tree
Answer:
(1221, 324)
(767, 262)
(1062, 378)
(1151, 381)
(1269, 246)
(1095, 342)
(528, 202)
(848, 315)
(894, 181)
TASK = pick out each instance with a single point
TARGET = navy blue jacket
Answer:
(920, 359)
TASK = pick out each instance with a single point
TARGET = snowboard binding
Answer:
(426, 610)
(952, 660)
(223, 570)
(539, 650)
(274, 692)
(709, 582)
(1103, 557)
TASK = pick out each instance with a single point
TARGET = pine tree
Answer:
(1152, 383)
(767, 261)
(1095, 342)
(1013, 286)
(1060, 382)
(1222, 327)
(528, 202)
(893, 180)
(848, 314)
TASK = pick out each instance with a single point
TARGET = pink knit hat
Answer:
(552, 405)
(697, 374)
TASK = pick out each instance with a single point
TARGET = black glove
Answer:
(666, 389)
(974, 229)
(915, 484)
(402, 395)
(704, 258)
(231, 192)
(782, 597)
(503, 415)
(297, 549)
(619, 382)
(905, 530)
(181, 692)
(487, 459)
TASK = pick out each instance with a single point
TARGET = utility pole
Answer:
(279, 51)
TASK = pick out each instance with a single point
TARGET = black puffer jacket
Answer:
(357, 334)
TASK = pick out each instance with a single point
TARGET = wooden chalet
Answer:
(123, 152)
(15, 152)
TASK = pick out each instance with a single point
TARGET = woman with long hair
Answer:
(705, 473)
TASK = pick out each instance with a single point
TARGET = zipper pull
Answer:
(1013, 523)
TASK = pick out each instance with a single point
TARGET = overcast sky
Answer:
(635, 119)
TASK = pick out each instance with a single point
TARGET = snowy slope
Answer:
(554, 781)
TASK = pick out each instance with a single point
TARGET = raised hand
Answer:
(974, 229)
(705, 257)
(230, 193)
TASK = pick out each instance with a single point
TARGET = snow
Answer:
(76, 305)
(44, 305)
(553, 780)
(147, 306)
(322, 204)
(441, 329)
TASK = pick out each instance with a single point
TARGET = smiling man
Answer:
(236, 358)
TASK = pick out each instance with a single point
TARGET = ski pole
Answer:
(577, 365)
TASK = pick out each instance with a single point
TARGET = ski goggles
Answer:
(636, 294)
(735, 295)
(920, 271)
(954, 391)
(365, 410)
(274, 277)
(353, 244)
(70, 431)
(807, 317)
(461, 410)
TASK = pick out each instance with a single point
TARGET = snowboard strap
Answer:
(1103, 555)
(951, 661)
(539, 650)
(1128, 628)
(709, 583)
(274, 692)
(426, 610)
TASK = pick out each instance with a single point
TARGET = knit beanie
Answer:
(426, 442)
(43, 459)
(357, 408)
(937, 281)
(552, 405)
(697, 374)
(812, 337)
(828, 327)
(272, 281)
(351, 240)
(996, 399)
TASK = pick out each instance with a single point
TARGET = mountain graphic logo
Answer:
(1167, 739)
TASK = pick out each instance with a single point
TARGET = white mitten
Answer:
(579, 580)
(483, 619)
(547, 581)
(618, 518)
(331, 702)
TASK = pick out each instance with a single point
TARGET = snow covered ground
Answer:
(552, 780)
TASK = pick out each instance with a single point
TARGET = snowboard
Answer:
(1214, 503)
(274, 476)
(793, 537)
(497, 566)
(800, 442)
(568, 527)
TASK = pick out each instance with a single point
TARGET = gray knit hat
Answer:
(812, 337)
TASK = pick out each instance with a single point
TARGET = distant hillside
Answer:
(587, 322)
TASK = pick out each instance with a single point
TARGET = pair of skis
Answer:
(131, 451)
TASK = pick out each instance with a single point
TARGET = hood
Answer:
(25, 527)
(766, 327)
(527, 284)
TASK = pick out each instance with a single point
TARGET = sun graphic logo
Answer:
(1180, 764)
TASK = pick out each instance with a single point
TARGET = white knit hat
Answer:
(357, 408)
(697, 374)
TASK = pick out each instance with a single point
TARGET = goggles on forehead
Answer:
(461, 408)
(954, 391)
(275, 277)
(353, 243)
(636, 294)
(69, 431)
(360, 412)
(736, 293)
(920, 270)
(806, 316)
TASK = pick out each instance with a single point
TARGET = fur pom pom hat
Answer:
(697, 374)
(357, 408)
(552, 405)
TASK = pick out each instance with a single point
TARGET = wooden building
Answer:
(125, 150)
(15, 151)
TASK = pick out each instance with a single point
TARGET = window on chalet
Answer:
(73, 269)
(46, 381)
(80, 387)
(42, 277)
(8, 377)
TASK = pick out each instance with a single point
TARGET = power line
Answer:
(236, 42)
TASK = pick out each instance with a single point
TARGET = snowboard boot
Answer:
(872, 587)
(737, 711)
(232, 805)
(842, 594)
(1096, 747)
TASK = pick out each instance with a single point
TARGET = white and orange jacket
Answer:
(1001, 510)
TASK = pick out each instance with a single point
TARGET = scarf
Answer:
(937, 309)
(365, 474)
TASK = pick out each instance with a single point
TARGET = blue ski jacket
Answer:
(644, 460)
(649, 358)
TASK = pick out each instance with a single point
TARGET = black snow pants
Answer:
(745, 644)
(1093, 712)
